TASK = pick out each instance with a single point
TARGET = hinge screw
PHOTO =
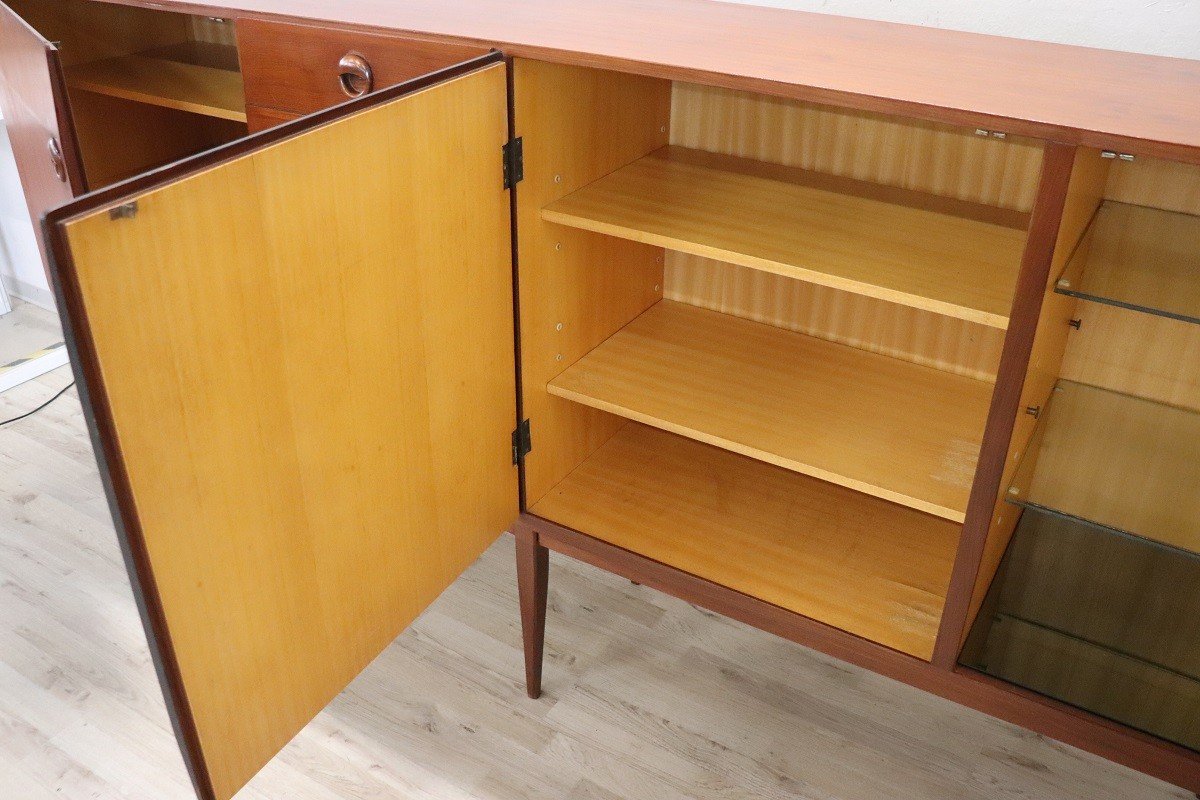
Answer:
(1076, 323)
(558, 357)
(558, 245)
(558, 327)
(1033, 411)
(1064, 284)
(1013, 490)
(657, 288)
(558, 178)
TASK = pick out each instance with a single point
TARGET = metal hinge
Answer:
(522, 442)
(514, 163)
(124, 211)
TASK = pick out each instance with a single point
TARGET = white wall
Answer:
(1161, 27)
(21, 271)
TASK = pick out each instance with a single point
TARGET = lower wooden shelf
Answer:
(193, 76)
(867, 566)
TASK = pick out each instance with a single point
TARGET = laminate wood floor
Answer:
(646, 696)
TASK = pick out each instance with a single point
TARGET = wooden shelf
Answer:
(848, 235)
(857, 563)
(1141, 258)
(886, 427)
(196, 77)
(1121, 462)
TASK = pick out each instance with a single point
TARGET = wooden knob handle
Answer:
(356, 76)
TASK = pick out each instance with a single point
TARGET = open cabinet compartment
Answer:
(764, 359)
(1091, 588)
(146, 87)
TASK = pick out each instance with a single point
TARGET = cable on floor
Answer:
(42, 407)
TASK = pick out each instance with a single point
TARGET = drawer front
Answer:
(302, 69)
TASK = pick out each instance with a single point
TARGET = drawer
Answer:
(302, 68)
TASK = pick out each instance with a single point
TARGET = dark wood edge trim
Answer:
(959, 117)
(514, 239)
(148, 181)
(1058, 161)
(1070, 725)
(67, 140)
(117, 488)
(94, 396)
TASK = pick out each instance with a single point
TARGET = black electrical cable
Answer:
(39, 408)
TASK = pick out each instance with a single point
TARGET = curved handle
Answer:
(356, 76)
(56, 159)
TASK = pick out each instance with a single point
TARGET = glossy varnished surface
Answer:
(1075, 94)
(647, 697)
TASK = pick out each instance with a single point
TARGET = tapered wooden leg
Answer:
(533, 572)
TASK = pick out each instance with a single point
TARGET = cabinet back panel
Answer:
(953, 345)
(578, 125)
(90, 31)
(313, 402)
(1130, 351)
(925, 157)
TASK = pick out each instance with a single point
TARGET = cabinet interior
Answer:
(1096, 537)
(759, 337)
(146, 87)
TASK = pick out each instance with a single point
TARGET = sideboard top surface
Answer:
(1079, 95)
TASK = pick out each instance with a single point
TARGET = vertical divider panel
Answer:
(1036, 268)
(577, 288)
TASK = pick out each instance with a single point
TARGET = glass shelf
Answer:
(1115, 461)
(1105, 622)
(1145, 259)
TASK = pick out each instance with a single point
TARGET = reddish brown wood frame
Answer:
(537, 536)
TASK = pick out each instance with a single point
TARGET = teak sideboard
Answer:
(882, 339)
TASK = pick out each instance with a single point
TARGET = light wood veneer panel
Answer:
(724, 209)
(858, 563)
(922, 337)
(891, 151)
(309, 476)
(883, 426)
(1119, 461)
(577, 287)
(198, 88)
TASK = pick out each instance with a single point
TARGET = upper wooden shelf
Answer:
(193, 76)
(1141, 258)
(849, 235)
(1124, 463)
(889, 428)
(855, 562)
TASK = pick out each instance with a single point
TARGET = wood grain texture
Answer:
(260, 119)
(577, 288)
(942, 160)
(295, 67)
(1084, 194)
(196, 88)
(648, 697)
(855, 562)
(1117, 460)
(1078, 95)
(223, 449)
(1132, 352)
(725, 208)
(33, 101)
(1048, 211)
(879, 425)
(922, 337)
(1139, 257)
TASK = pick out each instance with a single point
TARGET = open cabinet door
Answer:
(33, 97)
(297, 352)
